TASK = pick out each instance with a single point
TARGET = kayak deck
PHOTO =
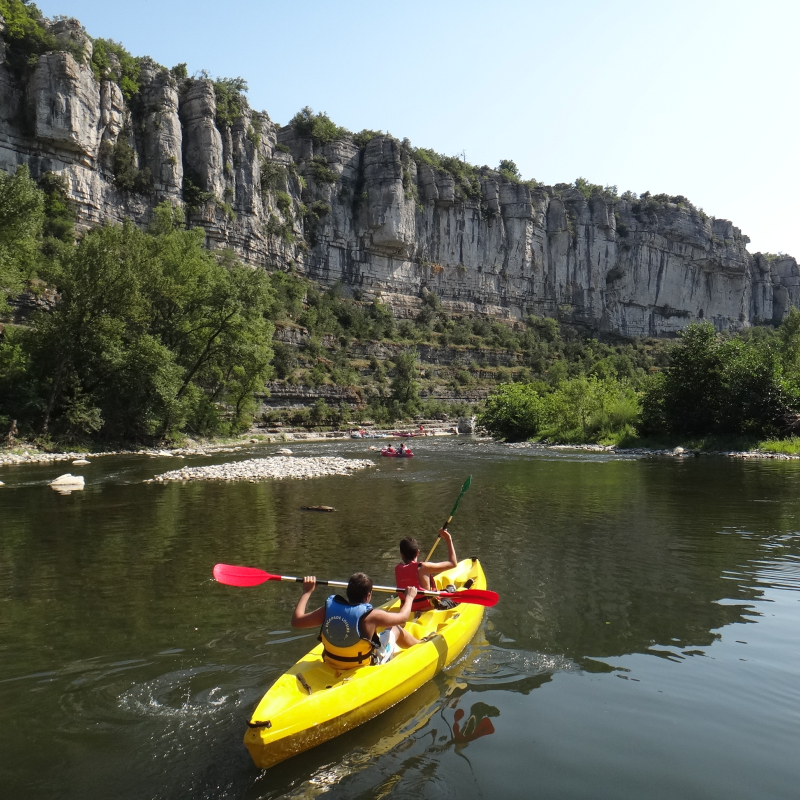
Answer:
(313, 702)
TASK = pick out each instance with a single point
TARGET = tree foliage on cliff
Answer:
(110, 60)
(152, 335)
(27, 37)
(319, 126)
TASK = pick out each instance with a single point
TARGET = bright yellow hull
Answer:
(312, 702)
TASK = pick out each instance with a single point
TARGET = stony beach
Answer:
(273, 468)
(33, 456)
(675, 452)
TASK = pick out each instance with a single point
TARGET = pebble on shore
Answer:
(274, 468)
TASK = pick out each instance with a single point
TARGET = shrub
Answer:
(509, 170)
(363, 138)
(193, 195)
(284, 202)
(27, 38)
(273, 176)
(319, 127)
(229, 94)
(59, 212)
(513, 412)
(283, 230)
(255, 130)
(466, 176)
(321, 171)
(127, 174)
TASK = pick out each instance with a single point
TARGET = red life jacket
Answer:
(408, 575)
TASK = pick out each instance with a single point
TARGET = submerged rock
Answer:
(68, 480)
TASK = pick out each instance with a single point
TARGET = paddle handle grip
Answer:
(438, 538)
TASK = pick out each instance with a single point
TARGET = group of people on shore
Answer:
(349, 626)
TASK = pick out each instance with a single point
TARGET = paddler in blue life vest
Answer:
(348, 628)
(414, 573)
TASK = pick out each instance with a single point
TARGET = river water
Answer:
(645, 643)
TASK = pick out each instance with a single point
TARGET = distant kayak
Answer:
(392, 453)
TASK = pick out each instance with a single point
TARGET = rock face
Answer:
(373, 217)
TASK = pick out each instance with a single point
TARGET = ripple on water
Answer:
(498, 666)
(111, 695)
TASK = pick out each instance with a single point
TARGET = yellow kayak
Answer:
(313, 702)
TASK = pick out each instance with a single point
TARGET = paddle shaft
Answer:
(251, 576)
(343, 585)
(452, 514)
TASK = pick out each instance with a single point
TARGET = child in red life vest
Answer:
(348, 628)
(413, 572)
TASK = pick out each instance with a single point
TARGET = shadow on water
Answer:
(126, 671)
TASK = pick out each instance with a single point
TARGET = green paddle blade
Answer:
(464, 488)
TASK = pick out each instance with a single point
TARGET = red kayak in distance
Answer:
(390, 452)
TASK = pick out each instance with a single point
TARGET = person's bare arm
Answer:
(435, 567)
(380, 618)
(311, 619)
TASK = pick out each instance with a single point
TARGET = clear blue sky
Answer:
(695, 98)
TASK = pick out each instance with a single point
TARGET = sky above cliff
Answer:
(695, 98)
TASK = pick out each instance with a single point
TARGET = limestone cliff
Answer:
(369, 213)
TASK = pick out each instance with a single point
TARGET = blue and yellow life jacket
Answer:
(343, 645)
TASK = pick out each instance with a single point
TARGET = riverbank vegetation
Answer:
(148, 336)
(148, 333)
(716, 391)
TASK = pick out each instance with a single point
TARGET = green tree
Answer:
(725, 385)
(21, 218)
(405, 386)
(514, 412)
(153, 334)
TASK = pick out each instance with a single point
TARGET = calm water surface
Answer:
(645, 643)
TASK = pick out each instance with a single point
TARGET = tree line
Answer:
(744, 387)
(150, 333)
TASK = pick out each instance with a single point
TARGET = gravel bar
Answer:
(274, 468)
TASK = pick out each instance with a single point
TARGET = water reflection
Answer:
(479, 723)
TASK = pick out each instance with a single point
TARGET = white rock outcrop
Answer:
(68, 480)
(371, 215)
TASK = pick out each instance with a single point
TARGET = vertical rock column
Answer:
(202, 142)
(162, 132)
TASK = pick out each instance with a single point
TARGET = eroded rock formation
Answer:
(372, 216)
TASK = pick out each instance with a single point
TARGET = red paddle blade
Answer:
(479, 597)
(242, 576)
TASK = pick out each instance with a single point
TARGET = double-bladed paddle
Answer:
(464, 488)
(250, 576)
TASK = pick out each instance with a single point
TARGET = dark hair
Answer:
(358, 587)
(409, 548)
